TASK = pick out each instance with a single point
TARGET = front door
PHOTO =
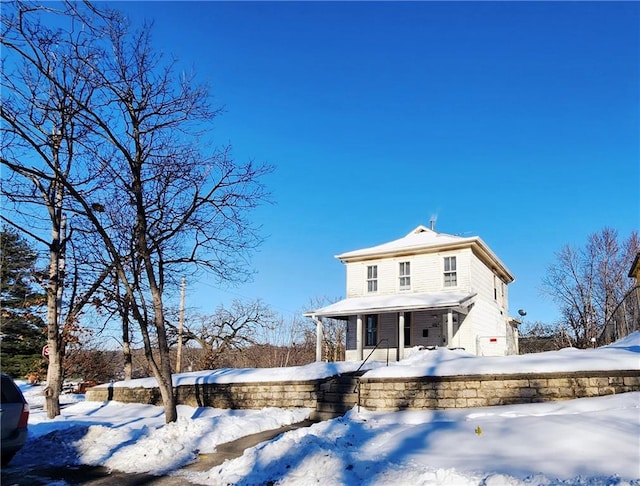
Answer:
(407, 330)
(432, 334)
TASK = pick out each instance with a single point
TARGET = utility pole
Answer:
(180, 326)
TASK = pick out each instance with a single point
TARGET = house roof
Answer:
(425, 240)
(395, 303)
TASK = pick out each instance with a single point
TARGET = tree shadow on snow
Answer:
(350, 442)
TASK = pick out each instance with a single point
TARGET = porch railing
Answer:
(373, 350)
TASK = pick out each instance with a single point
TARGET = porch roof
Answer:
(395, 303)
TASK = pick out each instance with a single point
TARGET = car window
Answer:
(9, 393)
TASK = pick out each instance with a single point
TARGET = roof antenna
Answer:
(432, 221)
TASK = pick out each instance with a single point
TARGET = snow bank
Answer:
(622, 355)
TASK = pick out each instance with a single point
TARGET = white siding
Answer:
(351, 333)
(464, 337)
(380, 354)
(387, 329)
(427, 273)
(505, 296)
(387, 277)
(489, 314)
(431, 322)
(356, 280)
(482, 282)
(486, 318)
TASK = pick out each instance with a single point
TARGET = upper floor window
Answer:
(372, 278)
(450, 272)
(371, 337)
(405, 275)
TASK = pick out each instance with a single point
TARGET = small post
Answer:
(319, 338)
(180, 326)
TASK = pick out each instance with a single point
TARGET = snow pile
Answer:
(622, 355)
(313, 371)
(583, 442)
(134, 437)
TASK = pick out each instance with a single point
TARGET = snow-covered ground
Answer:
(586, 442)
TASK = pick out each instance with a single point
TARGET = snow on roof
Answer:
(423, 238)
(394, 302)
(420, 237)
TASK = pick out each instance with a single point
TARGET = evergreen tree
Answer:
(22, 329)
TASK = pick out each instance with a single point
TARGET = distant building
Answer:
(427, 289)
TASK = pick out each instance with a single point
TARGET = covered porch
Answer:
(393, 325)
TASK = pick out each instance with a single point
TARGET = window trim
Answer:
(404, 275)
(450, 276)
(372, 279)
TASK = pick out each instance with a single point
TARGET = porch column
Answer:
(359, 352)
(449, 327)
(319, 338)
(400, 336)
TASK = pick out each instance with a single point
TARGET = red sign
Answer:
(45, 351)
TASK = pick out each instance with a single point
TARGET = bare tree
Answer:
(156, 197)
(333, 332)
(236, 328)
(587, 283)
(39, 146)
(537, 337)
(291, 343)
(272, 356)
(88, 362)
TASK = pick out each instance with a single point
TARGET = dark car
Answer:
(14, 412)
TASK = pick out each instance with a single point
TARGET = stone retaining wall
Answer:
(443, 392)
(302, 394)
(433, 392)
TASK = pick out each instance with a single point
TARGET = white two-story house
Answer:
(427, 289)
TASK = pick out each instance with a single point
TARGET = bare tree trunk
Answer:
(128, 362)
(54, 339)
(54, 383)
(165, 381)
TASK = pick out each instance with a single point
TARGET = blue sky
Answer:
(517, 122)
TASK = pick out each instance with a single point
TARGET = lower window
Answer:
(407, 329)
(371, 333)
